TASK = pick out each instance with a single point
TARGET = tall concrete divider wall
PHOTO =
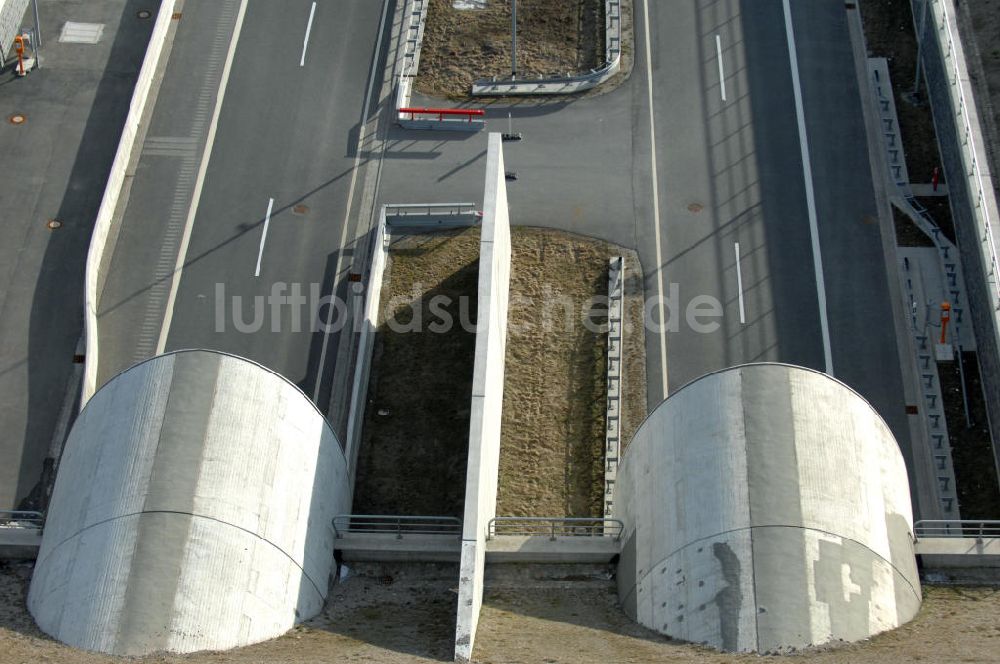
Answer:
(11, 15)
(369, 322)
(96, 259)
(970, 185)
(487, 397)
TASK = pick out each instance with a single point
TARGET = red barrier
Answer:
(469, 113)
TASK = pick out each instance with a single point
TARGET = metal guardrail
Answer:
(955, 78)
(554, 527)
(21, 519)
(388, 524)
(956, 528)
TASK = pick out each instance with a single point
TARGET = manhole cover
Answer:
(54, 224)
(144, 13)
(695, 208)
(17, 119)
(300, 209)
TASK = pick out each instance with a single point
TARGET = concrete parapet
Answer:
(387, 547)
(972, 194)
(103, 225)
(20, 543)
(766, 507)
(487, 397)
(549, 550)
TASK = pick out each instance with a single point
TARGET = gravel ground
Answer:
(405, 615)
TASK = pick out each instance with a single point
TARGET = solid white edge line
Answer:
(656, 202)
(305, 40)
(350, 199)
(263, 236)
(810, 192)
(199, 183)
(722, 71)
(739, 285)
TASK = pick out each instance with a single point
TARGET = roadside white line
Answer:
(263, 236)
(305, 41)
(739, 285)
(810, 192)
(350, 198)
(200, 182)
(656, 203)
(722, 72)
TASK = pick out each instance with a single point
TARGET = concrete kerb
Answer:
(112, 193)
(562, 85)
(487, 398)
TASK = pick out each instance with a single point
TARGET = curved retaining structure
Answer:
(766, 508)
(192, 511)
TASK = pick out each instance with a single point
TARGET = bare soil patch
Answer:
(907, 232)
(554, 37)
(555, 388)
(890, 34)
(415, 441)
(971, 447)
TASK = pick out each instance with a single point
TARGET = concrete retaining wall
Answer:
(970, 185)
(11, 17)
(192, 511)
(766, 507)
(96, 259)
(487, 397)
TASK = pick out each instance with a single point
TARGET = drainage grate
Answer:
(81, 33)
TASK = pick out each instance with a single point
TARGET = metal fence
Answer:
(400, 526)
(554, 527)
(21, 519)
(955, 528)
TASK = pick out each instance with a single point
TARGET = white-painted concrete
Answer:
(766, 507)
(113, 191)
(739, 286)
(192, 511)
(487, 397)
(722, 68)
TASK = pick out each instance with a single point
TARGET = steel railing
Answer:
(956, 528)
(21, 519)
(554, 527)
(388, 524)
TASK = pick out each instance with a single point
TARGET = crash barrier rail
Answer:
(444, 114)
(553, 527)
(21, 519)
(116, 181)
(956, 528)
(973, 149)
(389, 524)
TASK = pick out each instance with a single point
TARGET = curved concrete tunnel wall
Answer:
(191, 511)
(766, 508)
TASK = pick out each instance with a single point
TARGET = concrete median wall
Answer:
(101, 240)
(487, 397)
(766, 508)
(970, 187)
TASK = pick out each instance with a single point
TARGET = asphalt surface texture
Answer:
(729, 165)
(55, 165)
